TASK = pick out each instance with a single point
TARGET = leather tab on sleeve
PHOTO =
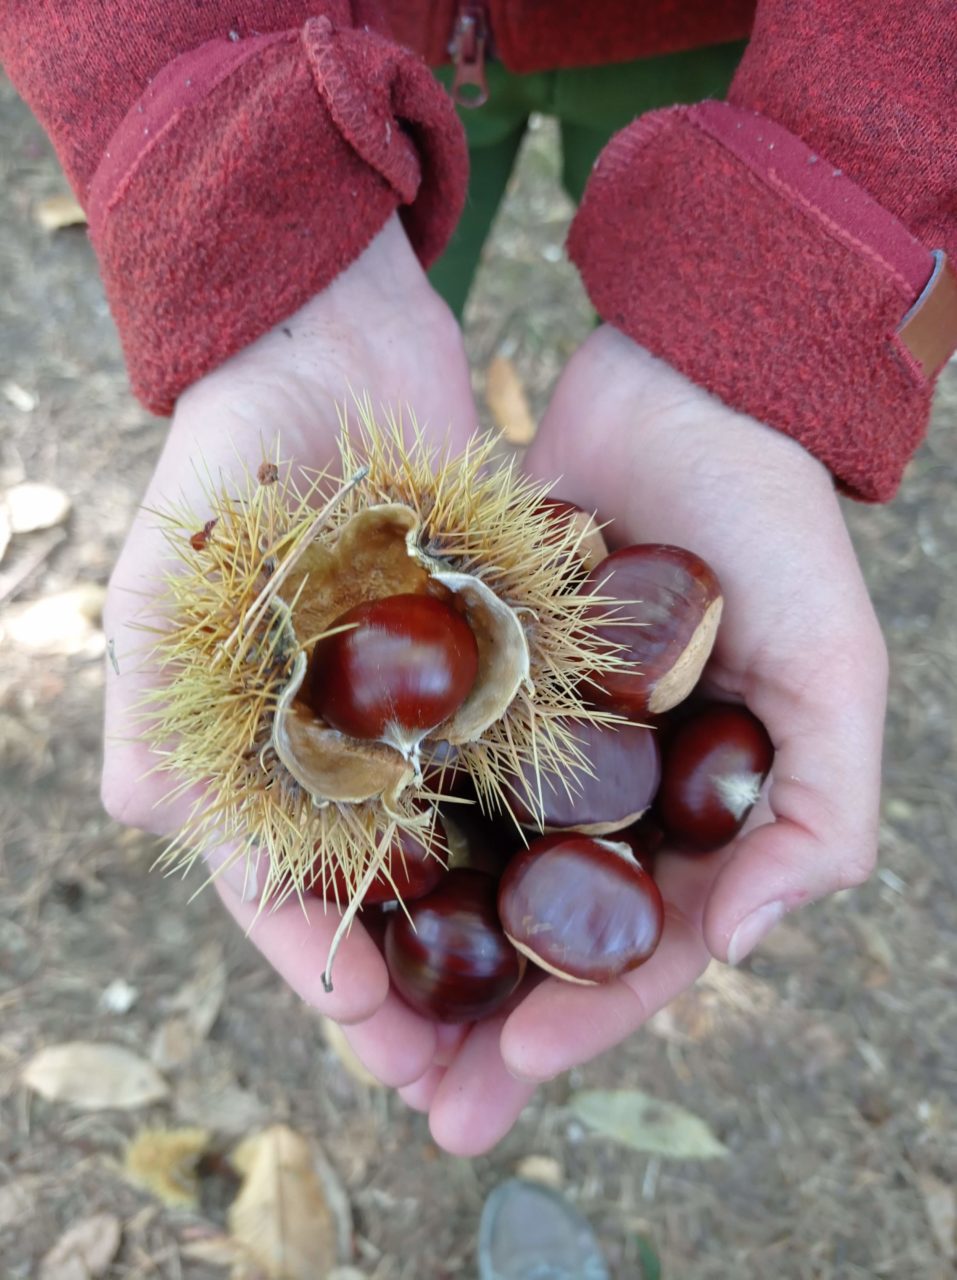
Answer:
(929, 330)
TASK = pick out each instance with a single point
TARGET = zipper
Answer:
(467, 47)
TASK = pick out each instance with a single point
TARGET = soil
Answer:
(827, 1064)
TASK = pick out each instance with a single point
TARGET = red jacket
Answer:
(784, 249)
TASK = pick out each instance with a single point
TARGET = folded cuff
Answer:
(249, 175)
(721, 243)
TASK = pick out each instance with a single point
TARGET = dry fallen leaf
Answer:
(940, 1205)
(542, 1169)
(84, 1251)
(217, 1102)
(58, 211)
(64, 623)
(216, 1251)
(335, 1038)
(33, 506)
(507, 400)
(18, 396)
(281, 1216)
(637, 1120)
(17, 1201)
(164, 1162)
(94, 1077)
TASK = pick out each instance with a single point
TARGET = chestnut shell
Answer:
(625, 771)
(449, 958)
(581, 908)
(714, 763)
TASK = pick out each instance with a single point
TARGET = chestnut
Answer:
(583, 909)
(401, 666)
(675, 600)
(715, 761)
(625, 770)
(449, 957)
(591, 545)
(415, 871)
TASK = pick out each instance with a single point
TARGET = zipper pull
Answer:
(469, 87)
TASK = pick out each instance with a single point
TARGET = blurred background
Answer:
(811, 1095)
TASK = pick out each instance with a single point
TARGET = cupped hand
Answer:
(379, 328)
(628, 437)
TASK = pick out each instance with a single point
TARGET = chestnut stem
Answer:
(260, 604)
(350, 913)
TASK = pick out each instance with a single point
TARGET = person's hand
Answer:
(379, 328)
(630, 438)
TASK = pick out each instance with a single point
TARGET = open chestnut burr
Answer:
(714, 763)
(583, 909)
(669, 607)
(449, 957)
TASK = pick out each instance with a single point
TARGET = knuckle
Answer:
(858, 867)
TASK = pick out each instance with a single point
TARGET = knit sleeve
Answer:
(232, 157)
(787, 250)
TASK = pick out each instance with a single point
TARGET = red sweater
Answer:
(784, 249)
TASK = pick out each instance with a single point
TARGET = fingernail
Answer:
(752, 929)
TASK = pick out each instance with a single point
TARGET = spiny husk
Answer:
(236, 610)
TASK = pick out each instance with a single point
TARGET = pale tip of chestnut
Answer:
(739, 792)
(675, 685)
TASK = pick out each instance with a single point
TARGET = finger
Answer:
(477, 1101)
(561, 1025)
(825, 800)
(395, 1044)
(295, 938)
(420, 1094)
(449, 1038)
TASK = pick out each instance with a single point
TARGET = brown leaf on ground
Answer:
(66, 622)
(164, 1161)
(507, 400)
(33, 506)
(84, 1251)
(940, 1205)
(281, 1216)
(56, 212)
(94, 1077)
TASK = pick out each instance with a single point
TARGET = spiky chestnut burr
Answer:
(278, 562)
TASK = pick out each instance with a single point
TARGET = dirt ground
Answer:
(827, 1064)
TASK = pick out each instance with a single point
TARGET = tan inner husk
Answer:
(376, 554)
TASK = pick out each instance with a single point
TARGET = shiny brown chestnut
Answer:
(449, 958)
(674, 599)
(582, 909)
(625, 771)
(414, 870)
(714, 764)
(404, 664)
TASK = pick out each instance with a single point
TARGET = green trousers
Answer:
(590, 104)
